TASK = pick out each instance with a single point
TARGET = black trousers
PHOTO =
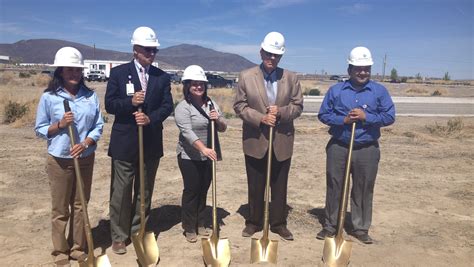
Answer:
(256, 177)
(196, 179)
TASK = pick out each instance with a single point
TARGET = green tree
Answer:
(393, 75)
(418, 76)
(446, 76)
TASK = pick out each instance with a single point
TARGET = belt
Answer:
(356, 146)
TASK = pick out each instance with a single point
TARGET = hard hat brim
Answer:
(272, 50)
(68, 65)
(195, 79)
(361, 64)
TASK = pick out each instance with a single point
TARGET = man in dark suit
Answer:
(268, 96)
(133, 85)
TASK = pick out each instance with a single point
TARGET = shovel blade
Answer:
(146, 248)
(101, 261)
(216, 254)
(336, 251)
(263, 250)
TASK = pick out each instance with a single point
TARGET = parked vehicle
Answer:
(334, 77)
(96, 75)
(215, 81)
(175, 78)
(342, 79)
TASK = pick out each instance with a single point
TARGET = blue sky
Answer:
(429, 37)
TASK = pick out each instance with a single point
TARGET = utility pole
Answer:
(93, 52)
(384, 64)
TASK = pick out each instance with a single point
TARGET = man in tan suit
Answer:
(268, 96)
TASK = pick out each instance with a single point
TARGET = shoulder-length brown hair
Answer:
(187, 94)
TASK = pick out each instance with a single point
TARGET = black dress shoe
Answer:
(284, 233)
(249, 230)
(362, 237)
(324, 233)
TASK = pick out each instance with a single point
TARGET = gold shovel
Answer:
(91, 260)
(215, 251)
(264, 249)
(145, 244)
(337, 250)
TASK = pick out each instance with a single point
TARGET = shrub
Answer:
(453, 126)
(24, 75)
(14, 111)
(314, 91)
(436, 93)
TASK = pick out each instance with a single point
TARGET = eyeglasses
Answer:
(153, 50)
(270, 55)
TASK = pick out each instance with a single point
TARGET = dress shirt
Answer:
(270, 77)
(88, 121)
(373, 99)
(139, 70)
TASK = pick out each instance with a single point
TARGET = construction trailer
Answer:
(104, 66)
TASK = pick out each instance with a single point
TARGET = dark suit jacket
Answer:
(251, 104)
(158, 106)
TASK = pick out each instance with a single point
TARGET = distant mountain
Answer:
(184, 55)
(174, 57)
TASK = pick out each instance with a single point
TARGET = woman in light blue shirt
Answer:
(51, 124)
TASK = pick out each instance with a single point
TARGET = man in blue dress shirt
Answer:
(369, 104)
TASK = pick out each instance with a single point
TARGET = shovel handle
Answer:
(141, 170)
(80, 186)
(266, 214)
(345, 188)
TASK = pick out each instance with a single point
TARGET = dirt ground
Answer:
(423, 213)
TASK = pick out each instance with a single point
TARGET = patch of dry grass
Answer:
(24, 91)
(454, 128)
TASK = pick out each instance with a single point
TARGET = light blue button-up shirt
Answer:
(88, 121)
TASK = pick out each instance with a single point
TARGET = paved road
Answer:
(413, 106)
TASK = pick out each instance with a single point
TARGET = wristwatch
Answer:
(85, 145)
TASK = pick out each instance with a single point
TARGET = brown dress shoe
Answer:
(249, 230)
(119, 247)
(284, 233)
(62, 263)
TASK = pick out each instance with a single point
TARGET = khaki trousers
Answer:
(66, 204)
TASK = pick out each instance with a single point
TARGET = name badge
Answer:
(130, 89)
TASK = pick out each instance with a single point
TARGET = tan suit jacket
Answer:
(250, 105)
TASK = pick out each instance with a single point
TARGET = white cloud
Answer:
(269, 4)
(356, 8)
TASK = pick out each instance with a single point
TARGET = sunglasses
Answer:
(270, 55)
(153, 50)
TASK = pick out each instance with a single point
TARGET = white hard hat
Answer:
(194, 73)
(145, 36)
(360, 56)
(68, 57)
(274, 43)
